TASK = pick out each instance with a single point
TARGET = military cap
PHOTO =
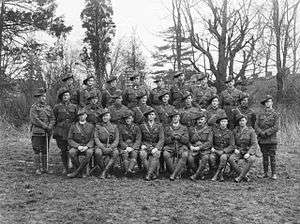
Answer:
(103, 111)
(39, 92)
(66, 77)
(186, 95)
(200, 115)
(87, 79)
(240, 116)
(134, 76)
(62, 91)
(141, 95)
(229, 80)
(148, 111)
(81, 111)
(215, 96)
(111, 78)
(177, 74)
(221, 117)
(163, 93)
(243, 96)
(173, 113)
(126, 113)
(268, 97)
(117, 94)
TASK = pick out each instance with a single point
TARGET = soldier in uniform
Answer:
(177, 90)
(154, 100)
(175, 152)
(64, 113)
(223, 146)
(117, 108)
(81, 142)
(246, 148)
(214, 110)
(244, 108)
(110, 90)
(107, 141)
(229, 100)
(90, 88)
(267, 126)
(188, 110)
(152, 143)
(202, 93)
(42, 121)
(130, 141)
(68, 83)
(92, 109)
(201, 139)
(164, 109)
(141, 108)
(130, 93)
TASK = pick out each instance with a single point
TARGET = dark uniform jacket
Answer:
(176, 94)
(251, 117)
(223, 140)
(92, 111)
(202, 95)
(88, 91)
(202, 137)
(163, 112)
(138, 111)
(246, 140)
(81, 135)
(116, 111)
(152, 137)
(130, 94)
(106, 136)
(130, 136)
(107, 94)
(187, 115)
(64, 115)
(213, 114)
(41, 119)
(176, 138)
(267, 126)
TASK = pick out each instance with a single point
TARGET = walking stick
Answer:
(47, 145)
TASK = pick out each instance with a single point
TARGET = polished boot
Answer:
(178, 169)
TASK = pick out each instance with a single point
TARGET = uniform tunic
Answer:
(251, 117)
(176, 94)
(202, 95)
(152, 137)
(81, 135)
(106, 136)
(202, 137)
(138, 111)
(92, 111)
(187, 115)
(130, 94)
(246, 140)
(88, 91)
(116, 111)
(213, 114)
(130, 136)
(163, 112)
(107, 94)
(176, 138)
(223, 140)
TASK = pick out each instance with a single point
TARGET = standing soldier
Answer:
(110, 90)
(141, 108)
(164, 109)
(130, 141)
(90, 88)
(154, 100)
(152, 143)
(223, 146)
(117, 108)
(214, 110)
(81, 142)
(175, 151)
(130, 93)
(69, 84)
(244, 108)
(92, 109)
(64, 113)
(266, 126)
(201, 138)
(246, 148)
(177, 90)
(42, 121)
(202, 93)
(229, 100)
(107, 141)
(188, 111)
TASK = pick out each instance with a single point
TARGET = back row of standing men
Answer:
(184, 125)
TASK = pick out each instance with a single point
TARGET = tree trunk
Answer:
(1, 38)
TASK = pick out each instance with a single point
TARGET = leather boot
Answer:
(152, 167)
(169, 163)
(179, 167)
(37, 164)
(64, 159)
(215, 177)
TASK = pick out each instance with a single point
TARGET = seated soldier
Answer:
(200, 145)
(107, 140)
(140, 108)
(176, 141)
(117, 108)
(246, 148)
(81, 142)
(164, 108)
(188, 110)
(92, 109)
(130, 141)
(152, 143)
(214, 110)
(223, 146)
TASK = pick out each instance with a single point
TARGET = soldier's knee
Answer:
(98, 152)
(73, 152)
(143, 154)
(185, 155)
(156, 154)
(223, 157)
(90, 152)
(166, 155)
(115, 154)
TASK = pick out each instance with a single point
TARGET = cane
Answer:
(47, 145)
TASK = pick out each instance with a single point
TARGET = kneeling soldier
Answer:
(176, 141)
(246, 148)
(107, 140)
(42, 121)
(152, 143)
(201, 136)
(130, 141)
(223, 146)
(81, 142)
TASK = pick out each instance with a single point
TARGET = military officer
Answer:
(154, 100)
(214, 110)
(164, 109)
(201, 139)
(117, 108)
(152, 143)
(64, 113)
(266, 126)
(68, 83)
(81, 142)
(107, 141)
(244, 108)
(92, 109)
(175, 151)
(110, 90)
(42, 121)
(141, 108)
(90, 88)
(177, 90)
(188, 110)
(246, 148)
(130, 141)
(229, 100)
(223, 146)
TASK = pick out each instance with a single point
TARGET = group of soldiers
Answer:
(182, 129)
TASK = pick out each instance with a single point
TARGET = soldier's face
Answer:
(119, 100)
(42, 98)
(166, 98)
(269, 103)
(160, 83)
(204, 82)
(176, 118)
(151, 116)
(69, 81)
(82, 117)
(230, 84)
(188, 100)
(201, 121)
(245, 101)
(129, 120)
(143, 100)
(113, 83)
(224, 123)
(181, 77)
(136, 80)
(94, 100)
(215, 102)
(106, 117)
(66, 96)
(243, 122)
(90, 82)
